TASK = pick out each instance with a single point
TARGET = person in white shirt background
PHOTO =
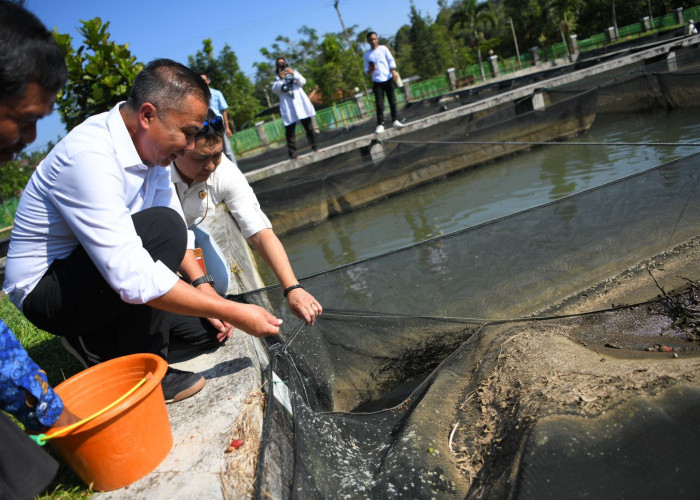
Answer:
(204, 178)
(99, 236)
(295, 105)
(381, 67)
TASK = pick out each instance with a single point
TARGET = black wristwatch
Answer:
(207, 278)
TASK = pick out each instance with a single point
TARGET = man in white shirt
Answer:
(204, 178)
(99, 235)
(381, 66)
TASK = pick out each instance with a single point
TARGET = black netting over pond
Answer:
(350, 180)
(310, 194)
(540, 355)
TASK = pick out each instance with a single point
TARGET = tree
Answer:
(430, 52)
(15, 174)
(226, 75)
(469, 18)
(564, 14)
(337, 71)
(403, 51)
(100, 73)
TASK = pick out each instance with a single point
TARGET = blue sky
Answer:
(176, 28)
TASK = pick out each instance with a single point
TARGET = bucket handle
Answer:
(41, 439)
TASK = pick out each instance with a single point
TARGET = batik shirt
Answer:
(20, 376)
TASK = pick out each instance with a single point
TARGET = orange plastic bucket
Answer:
(129, 440)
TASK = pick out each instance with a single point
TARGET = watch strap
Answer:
(207, 278)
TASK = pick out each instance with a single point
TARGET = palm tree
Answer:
(566, 12)
(469, 17)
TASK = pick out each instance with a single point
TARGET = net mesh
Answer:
(450, 367)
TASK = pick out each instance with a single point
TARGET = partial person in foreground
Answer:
(99, 236)
(295, 105)
(32, 70)
(381, 67)
(203, 178)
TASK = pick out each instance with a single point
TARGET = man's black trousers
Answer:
(73, 299)
(379, 89)
(290, 132)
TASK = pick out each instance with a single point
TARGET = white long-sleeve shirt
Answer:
(84, 193)
(383, 63)
(227, 184)
(294, 108)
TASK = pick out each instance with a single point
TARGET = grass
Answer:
(46, 351)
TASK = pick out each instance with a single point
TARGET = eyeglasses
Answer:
(217, 123)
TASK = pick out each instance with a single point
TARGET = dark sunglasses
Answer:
(217, 123)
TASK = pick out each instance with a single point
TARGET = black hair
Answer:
(28, 53)
(165, 83)
(371, 33)
(210, 132)
(277, 66)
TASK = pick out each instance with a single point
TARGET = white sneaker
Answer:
(397, 124)
(379, 129)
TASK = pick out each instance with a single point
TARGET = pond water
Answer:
(494, 190)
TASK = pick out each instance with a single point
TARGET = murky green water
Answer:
(494, 190)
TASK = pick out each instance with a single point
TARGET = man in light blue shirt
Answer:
(381, 66)
(219, 105)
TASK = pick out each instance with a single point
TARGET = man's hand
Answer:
(224, 329)
(304, 305)
(65, 418)
(257, 322)
(184, 299)
(372, 67)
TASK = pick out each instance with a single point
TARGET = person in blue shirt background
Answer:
(220, 106)
(32, 70)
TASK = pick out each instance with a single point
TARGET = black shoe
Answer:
(76, 347)
(178, 385)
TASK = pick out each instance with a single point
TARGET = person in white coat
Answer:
(294, 104)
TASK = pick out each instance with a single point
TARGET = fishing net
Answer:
(310, 194)
(551, 353)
